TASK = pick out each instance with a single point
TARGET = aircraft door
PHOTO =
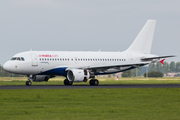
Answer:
(130, 57)
(34, 59)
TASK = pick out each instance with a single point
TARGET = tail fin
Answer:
(143, 41)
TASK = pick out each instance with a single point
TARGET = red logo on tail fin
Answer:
(162, 61)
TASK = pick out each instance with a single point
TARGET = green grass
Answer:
(102, 81)
(90, 104)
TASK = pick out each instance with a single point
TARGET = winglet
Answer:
(162, 61)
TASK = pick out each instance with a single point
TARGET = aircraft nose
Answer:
(7, 66)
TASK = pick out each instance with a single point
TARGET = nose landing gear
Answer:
(28, 83)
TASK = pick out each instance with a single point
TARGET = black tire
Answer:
(28, 83)
(91, 82)
(67, 82)
(94, 82)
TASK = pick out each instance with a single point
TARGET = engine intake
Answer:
(77, 75)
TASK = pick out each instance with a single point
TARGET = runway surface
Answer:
(89, 87)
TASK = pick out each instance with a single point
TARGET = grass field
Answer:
(90, 104)
(102, 81)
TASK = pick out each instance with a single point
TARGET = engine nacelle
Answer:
(77, 75)
(39, 78)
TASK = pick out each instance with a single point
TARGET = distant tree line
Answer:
(154, 74)
(166, 68)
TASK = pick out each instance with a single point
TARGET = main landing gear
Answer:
(91, 82)
(28, 83)
(67, 82)
(94, 82)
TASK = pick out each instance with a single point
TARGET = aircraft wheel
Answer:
(67, 82)
(28, 83)
(94, 82)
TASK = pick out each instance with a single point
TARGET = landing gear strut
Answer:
(67, 82)
(94, 82)
(28, 83)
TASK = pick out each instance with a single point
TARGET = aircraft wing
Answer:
(108, 66)
(151, 58)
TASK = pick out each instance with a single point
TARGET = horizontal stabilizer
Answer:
(151, 58)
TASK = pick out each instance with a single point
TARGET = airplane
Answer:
(79, 66)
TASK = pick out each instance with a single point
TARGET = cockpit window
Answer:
(18, 58)
(22, 58)
(14, 58)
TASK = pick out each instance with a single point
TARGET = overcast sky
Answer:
(86, 25)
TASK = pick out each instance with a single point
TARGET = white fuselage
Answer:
(56, 62)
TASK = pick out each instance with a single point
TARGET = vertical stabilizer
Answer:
(143, 41)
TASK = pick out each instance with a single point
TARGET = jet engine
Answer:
(39, 78)
(77, 75)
